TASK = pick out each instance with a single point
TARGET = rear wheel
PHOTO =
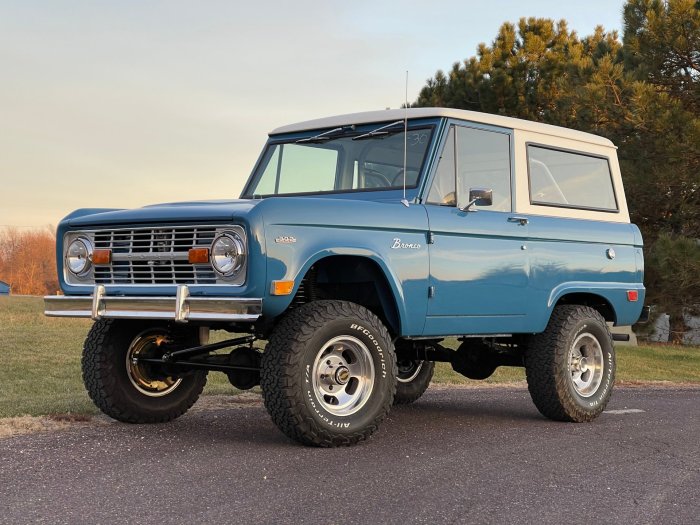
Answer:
(131, 391)
(412, 380)
(570, 367)
(328, 373)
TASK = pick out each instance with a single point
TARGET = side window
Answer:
(568, 179)
(443, 189)
(483, 161)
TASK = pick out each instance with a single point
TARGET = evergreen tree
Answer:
(662, 46)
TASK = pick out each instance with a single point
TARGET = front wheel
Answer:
(131, 391)
(570, 367)
(329, 373)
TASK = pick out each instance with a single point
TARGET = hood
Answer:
(177, 212)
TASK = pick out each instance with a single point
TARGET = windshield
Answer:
(342, 159)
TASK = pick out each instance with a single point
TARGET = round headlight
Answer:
(228, 254)
(78, 256)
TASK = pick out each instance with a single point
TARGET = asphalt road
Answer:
(455, 456)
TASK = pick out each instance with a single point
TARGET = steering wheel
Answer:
(381, 180)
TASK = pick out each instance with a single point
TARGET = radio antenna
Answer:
(404, 201)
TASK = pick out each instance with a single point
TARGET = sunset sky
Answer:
(125, 103)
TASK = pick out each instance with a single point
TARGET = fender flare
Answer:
(392, 280)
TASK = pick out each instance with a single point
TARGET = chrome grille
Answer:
(154, 255)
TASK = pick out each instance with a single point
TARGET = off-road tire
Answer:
(548, 365)
(288, 367)
(108, 385)
(409, 391)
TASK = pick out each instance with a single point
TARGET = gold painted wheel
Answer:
(144, 377)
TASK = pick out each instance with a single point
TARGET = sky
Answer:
(125, 103)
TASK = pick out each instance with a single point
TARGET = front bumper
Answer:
(181, 308)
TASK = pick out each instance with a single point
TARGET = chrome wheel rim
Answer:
(343, 375)
(408, 370)
(586, 365)
(147, 345)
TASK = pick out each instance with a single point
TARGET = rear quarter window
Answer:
(570, 179)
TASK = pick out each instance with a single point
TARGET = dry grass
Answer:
(16, 426)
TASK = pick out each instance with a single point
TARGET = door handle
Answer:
(520, 220)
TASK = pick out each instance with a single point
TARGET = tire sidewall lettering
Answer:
(602, 392)
(323, 416)
(374, 343)
(578, 332)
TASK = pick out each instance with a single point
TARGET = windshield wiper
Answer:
(321, 137)
(381, 131)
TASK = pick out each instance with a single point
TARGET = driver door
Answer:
(478, 258)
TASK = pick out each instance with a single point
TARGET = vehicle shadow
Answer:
(249, 423)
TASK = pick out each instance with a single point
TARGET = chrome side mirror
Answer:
(480, 197)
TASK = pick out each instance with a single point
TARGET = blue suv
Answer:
(359, 243)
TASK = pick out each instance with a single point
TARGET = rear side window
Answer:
(570, 180)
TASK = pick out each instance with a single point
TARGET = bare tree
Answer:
(28, 261)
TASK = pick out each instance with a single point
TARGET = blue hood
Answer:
(205, 211)
(217, 211)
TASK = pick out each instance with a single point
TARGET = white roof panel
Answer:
(471, 116)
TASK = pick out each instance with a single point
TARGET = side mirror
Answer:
(480, 197)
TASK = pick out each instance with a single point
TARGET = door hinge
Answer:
(431, 238)
(431, 292)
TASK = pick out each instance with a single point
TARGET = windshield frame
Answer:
(432, 124)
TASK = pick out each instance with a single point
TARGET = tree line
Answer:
(642, 91)
(28, 261)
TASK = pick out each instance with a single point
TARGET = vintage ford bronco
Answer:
(360, 242)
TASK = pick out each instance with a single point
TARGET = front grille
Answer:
(154, 255)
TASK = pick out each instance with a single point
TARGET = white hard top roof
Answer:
(471, 116)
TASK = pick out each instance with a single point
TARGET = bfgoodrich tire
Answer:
(131, 392)
(570, 367)
(329, 373)
(412, 380)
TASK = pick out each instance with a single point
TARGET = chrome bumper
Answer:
(181, 308)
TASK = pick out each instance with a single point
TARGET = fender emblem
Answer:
(286, 239)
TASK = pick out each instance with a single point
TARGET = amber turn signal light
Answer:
(198, 255)
(282, 287)
(101, 256)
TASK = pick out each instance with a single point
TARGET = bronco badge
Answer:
(398, 245)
